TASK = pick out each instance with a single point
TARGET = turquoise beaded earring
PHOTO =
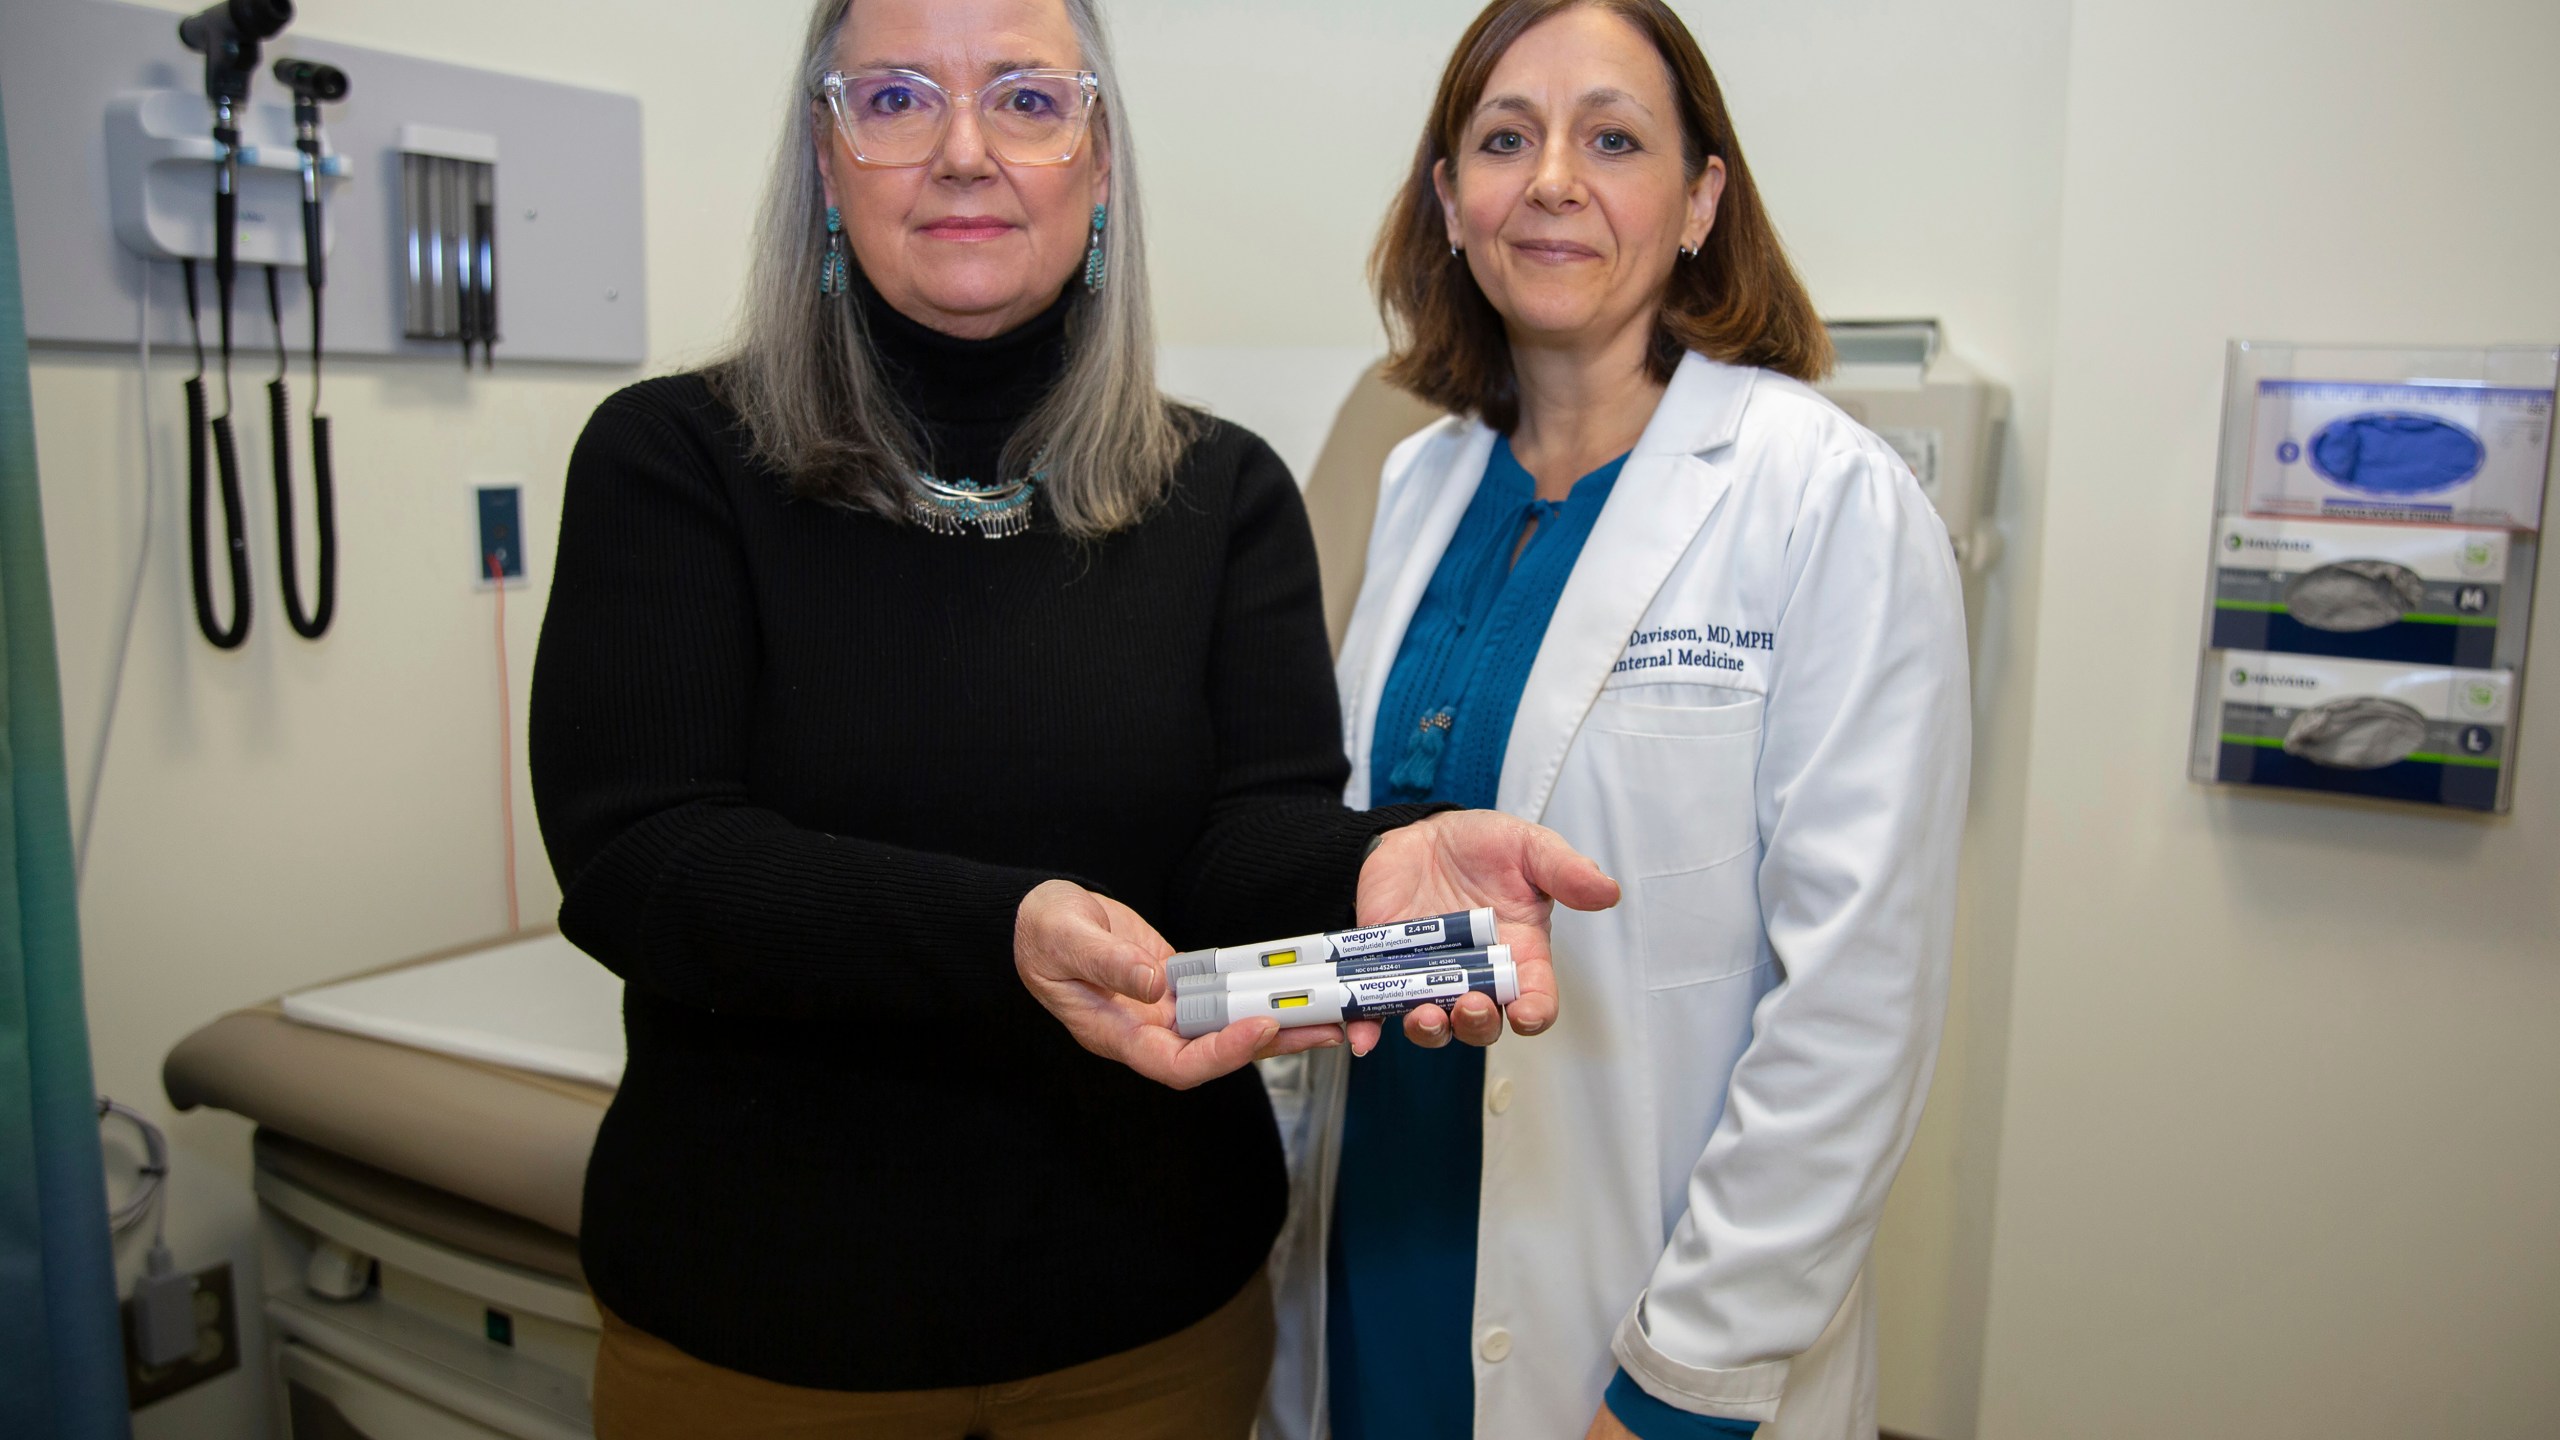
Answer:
(835, 276)
(1093, 272)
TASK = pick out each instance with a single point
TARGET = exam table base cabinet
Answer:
(443, 1343)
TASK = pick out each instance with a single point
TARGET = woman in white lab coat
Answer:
(1650, 590)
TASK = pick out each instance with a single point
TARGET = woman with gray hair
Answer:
(903, 672)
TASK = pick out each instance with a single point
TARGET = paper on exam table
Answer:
(540, 1005)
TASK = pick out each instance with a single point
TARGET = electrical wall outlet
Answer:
(163, 1308)
(501, 557)
(216, 1352)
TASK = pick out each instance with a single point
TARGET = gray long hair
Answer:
(805, 378)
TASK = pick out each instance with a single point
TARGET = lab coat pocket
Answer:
(1620, 715)
(1699, 925)
(1681, 779)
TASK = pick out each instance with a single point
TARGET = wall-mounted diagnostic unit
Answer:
(169, 166)
(2375, 535)
(112, 156)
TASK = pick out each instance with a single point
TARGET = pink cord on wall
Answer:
(506, 746)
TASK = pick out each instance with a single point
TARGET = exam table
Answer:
(417, 1207)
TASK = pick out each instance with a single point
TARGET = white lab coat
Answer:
(1751, 709)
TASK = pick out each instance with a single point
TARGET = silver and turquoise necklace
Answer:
(954, 507)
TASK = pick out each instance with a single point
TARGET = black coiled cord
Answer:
(314, 623)
(226, 457)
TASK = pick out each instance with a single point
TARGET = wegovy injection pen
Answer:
(1368, 997)
(1465, 930)
(1304, 975)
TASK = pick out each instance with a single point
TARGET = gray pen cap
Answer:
(1199, 984)
(1201, 1014)
(1191, 962)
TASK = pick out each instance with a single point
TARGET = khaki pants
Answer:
(1204, 1383)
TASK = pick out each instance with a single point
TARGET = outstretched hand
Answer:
(1098, 966)
(1462, 859)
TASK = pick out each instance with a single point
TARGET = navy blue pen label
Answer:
(1403, 964)
(1380, 996)
(1404, 936)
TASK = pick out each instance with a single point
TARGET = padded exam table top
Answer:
(470, 1124)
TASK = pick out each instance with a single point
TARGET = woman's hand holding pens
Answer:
(1462, 859)
(1098, 966)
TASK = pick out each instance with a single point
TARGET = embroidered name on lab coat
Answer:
(1692, 647)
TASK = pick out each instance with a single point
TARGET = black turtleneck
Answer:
(968, 394)
(798, 765)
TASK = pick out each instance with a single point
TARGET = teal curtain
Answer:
(61, 1349)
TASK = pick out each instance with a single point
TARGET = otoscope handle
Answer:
(226, 201)
(306, 138)
(313, 258)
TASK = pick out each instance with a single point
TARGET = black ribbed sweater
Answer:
(797, 767)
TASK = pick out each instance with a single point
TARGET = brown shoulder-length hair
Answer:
(1739, 301)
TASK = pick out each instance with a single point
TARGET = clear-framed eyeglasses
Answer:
(899, 117)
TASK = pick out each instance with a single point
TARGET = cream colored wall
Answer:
(2277, 1156)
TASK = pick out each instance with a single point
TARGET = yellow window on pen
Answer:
(1279, 957)
(1289, 1001)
